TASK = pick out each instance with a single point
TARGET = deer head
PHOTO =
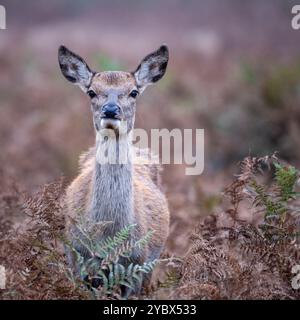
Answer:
(113, 94)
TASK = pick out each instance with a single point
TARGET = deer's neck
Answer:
(112, 195)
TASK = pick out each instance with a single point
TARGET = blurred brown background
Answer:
(234, 71)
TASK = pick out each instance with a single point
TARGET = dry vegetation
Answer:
(231, 257)
(228, 258)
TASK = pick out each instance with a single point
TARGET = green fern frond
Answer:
(110, 244)
(141, 243)
(109, 260)
(286, 178)
(272, 197)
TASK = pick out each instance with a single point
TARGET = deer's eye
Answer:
(92, 94)
(134, 93)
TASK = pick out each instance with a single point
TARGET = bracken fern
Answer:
(109, 267)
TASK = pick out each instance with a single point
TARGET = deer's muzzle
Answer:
(111, 111)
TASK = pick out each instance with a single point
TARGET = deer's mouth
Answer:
(110, 123)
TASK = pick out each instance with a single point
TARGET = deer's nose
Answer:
(111, 110)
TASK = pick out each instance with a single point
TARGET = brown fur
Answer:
(120, 193)
(150, 205)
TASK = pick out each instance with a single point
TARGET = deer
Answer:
(122, 192)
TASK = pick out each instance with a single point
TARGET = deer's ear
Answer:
(153, 67)
(74, 68)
